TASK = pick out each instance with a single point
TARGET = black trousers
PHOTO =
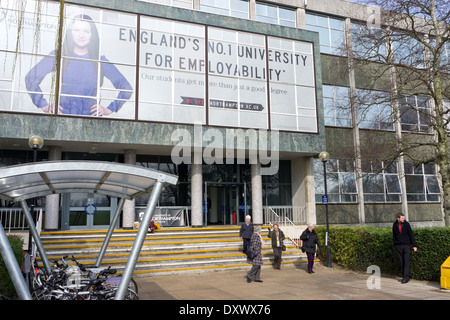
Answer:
(404, 252)
(246, 244)
(277, 257)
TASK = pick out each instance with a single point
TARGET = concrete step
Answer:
(170, 250)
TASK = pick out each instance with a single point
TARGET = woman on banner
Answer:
(82, 74)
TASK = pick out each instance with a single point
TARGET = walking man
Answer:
(403, 240)
(246, 232)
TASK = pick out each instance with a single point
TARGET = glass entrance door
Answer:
(88, 211)
(228, 203)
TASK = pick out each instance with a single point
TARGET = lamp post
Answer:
(35, 143)
(324, 157)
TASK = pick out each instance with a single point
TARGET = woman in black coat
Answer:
(310, 240)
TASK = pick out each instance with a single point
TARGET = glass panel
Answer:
(348, 182)
(77, 218)
(414, 184)
(373, 183)
(101, 218)
(393, 184)
(433, 184)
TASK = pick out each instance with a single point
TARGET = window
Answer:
(421, 182)
(275, 15)
(336, 104)
(331, 33)
(341, 180)
(276, 188)
(407, 50)
(381, 182)
(415, 113)
(374, 110)
(368, 43)
(233, 8)
(174, 3)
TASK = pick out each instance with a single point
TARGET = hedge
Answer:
(357, 248)
(7, 288)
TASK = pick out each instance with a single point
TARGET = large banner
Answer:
(165, 217)
(181, 73)
(97, 75)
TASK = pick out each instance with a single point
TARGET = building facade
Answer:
(237, 98)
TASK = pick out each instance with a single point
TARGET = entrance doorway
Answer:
(229, 203)
(87, 211)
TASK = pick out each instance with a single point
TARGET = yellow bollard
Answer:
(445, 274)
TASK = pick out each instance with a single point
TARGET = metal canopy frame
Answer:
(127, 182)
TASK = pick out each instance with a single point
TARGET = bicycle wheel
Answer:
(131, 295)
(133, 286)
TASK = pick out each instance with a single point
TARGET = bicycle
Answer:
(77, 282)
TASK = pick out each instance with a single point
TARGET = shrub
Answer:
(357, 248)
(6, 285)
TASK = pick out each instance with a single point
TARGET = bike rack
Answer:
(127, 182)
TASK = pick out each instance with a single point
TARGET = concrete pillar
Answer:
(257, 203)
(303, 192)
(252, 10)
(129, 205)
(301, 18)
(51, 221)
(196, 195)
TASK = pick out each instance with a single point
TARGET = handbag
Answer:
(283, 248)
(250, 254)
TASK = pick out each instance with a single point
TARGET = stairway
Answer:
(167, 251)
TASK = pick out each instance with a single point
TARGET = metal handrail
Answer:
(13, 219)
(290, 229)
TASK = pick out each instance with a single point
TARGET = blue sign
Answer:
(90, 208)
(244, 207)
(325, 199)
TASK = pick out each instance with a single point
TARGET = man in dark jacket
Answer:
(246, 232)
(403, 240)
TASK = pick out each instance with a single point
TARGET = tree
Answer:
(405, 49)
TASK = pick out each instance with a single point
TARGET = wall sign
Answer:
(185, 72)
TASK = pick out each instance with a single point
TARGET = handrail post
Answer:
(36, 236)
(98, 262)
(139, 241)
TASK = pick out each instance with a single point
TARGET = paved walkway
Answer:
(290, 283)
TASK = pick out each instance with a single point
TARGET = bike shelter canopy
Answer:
(21, 182)
(26, 181)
